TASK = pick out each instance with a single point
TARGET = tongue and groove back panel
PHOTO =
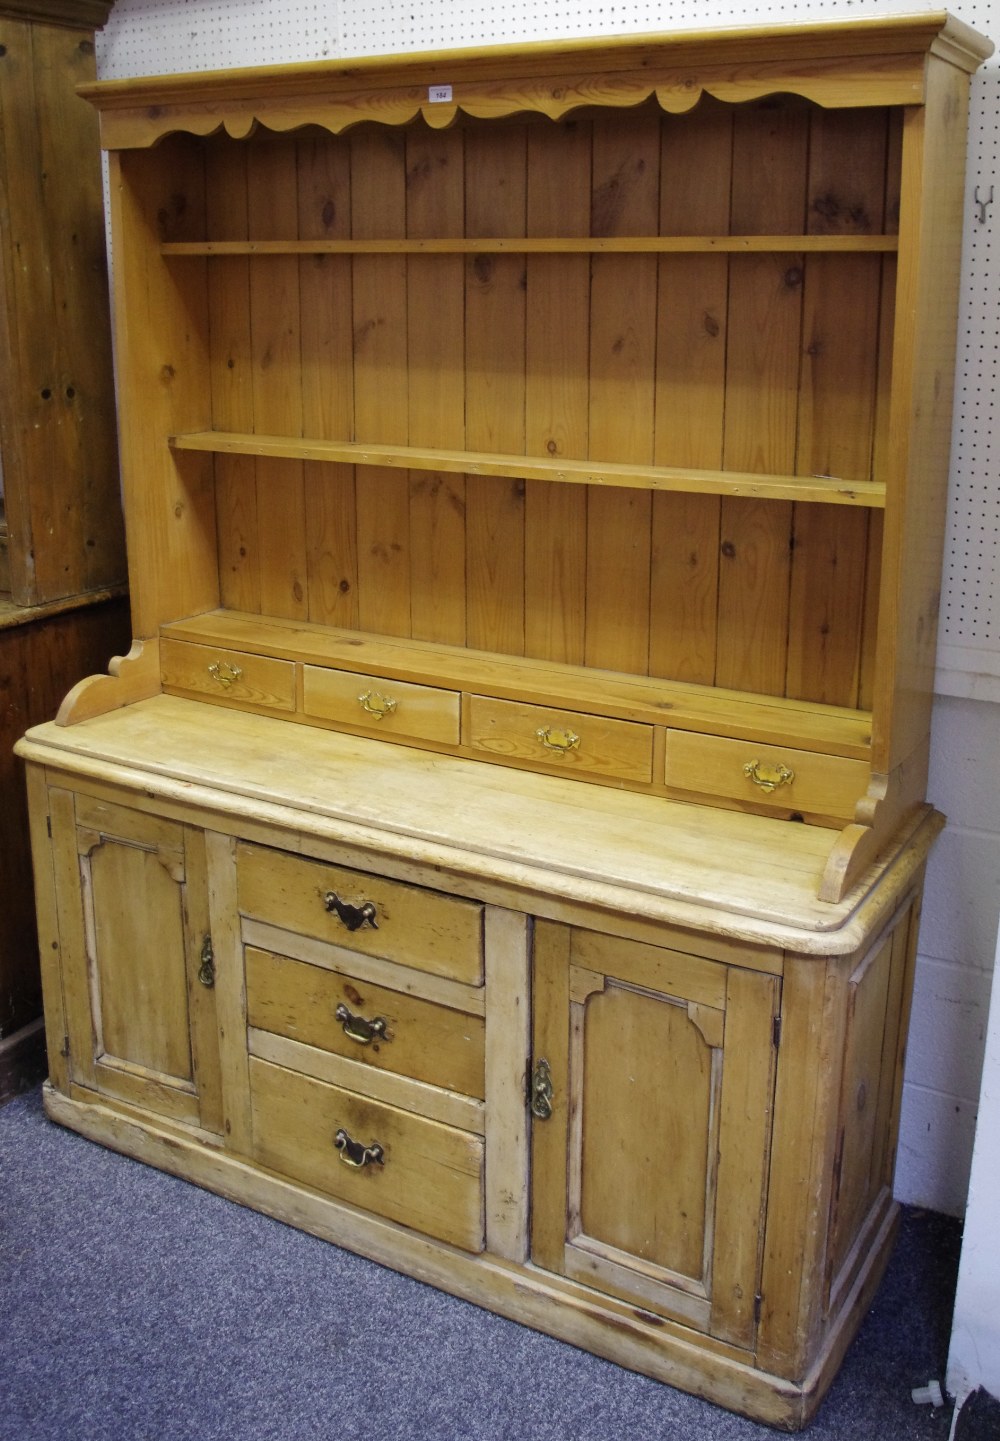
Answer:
(765, 362)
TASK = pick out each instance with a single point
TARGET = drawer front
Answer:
(228, 675)
(589, 744)
(363, 1022)
(387, 707)
(418, 1172)
(786, 779)
(368, 914)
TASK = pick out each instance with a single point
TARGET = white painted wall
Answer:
(975, 1342)
(963, 894)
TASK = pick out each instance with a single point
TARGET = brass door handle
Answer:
(768, 777)
(355, 1155)
(540, 1097)
(360, 1030)
(225, 673)
(556, 738)
(353, 917)
(375, 704)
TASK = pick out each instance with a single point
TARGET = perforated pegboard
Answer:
(160, 36)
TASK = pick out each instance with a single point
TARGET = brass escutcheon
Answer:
(541, 1091)
(206, 971)
(375, 704)
(769, 777)
(225, 673)
(360, 1030)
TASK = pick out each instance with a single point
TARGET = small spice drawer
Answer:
(228, 675)
(373, 915)
(370, 1024)
(536, 735)
(387, 1161)
(781, 778)
(387, 707)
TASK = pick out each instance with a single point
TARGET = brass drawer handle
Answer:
(353, 917)
(206, 971)
(556, 739)
(360, 1030)
(353, 1154)
(375, 704)
(769, 777)
(225, 673)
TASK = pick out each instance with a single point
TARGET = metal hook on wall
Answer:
(983, 203)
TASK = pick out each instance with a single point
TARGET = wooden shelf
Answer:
(539, 245)
(826, 489)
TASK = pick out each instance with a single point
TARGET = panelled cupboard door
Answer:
(138, 968)
(652, 1084)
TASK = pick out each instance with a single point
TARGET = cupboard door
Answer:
(138, 966)
(648, 1172)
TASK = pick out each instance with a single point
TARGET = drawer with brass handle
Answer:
(227, 675)
(393, 1163)
(387, 707)
(537, 735)
(370, 1024)
(781, 778)
(424, 929)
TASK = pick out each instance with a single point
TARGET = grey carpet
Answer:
(135, 1307)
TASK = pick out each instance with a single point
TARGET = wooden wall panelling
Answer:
(692, 308)
(557, 348)
(378, 208)
(328, 380)
(765, 304)
(624, 201)
(495, 200)
(231, 378)
(276, 371)
(436, 342)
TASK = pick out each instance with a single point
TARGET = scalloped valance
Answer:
(868, 62)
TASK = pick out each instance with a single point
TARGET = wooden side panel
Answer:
(162, 338)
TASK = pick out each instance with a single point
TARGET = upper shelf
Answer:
(879, 60)
(823, 488)
(544, 245)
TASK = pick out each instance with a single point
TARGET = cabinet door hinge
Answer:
(776, 1032)
(758, 1302)
(48, 825)
(64, 1052)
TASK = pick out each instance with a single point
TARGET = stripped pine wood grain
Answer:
(624, 197)
(231, 381)
(495, 198)
(378, 206)
(324, 193)
(556, 418)
(695, 182)
(436, 365)
(276, 348)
